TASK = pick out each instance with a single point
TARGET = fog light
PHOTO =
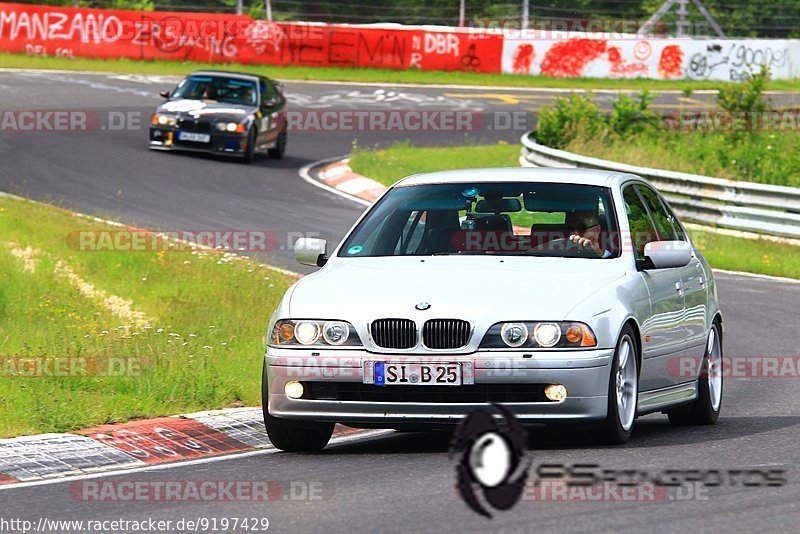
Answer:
(293, 390)
(554, 392)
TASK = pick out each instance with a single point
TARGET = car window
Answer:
(674, 220)
(664, 223)
(268, 92)
(217, 89)
(411, 237)
(489, 218)
(641, 226)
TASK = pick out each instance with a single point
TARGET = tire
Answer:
(292, 436)
(280, 146)
(623, 392)
(250, 151)
(706, 408)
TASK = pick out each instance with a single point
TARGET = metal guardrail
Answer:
(760, 208)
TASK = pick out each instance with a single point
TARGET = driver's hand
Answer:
(582, 241)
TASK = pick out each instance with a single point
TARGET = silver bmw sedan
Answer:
(569, 296)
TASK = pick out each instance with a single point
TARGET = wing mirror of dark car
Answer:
(270, 102)
(164, 93)
(311, 251)
(666, 255)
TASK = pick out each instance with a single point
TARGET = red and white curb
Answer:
(341, 177)
(135, 445)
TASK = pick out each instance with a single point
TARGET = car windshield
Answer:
(217, 89)
(520, 219)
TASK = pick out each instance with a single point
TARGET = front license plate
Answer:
(195, 137)
(417, 374)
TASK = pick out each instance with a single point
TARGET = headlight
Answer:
(163, 120)
(306, 332)
(514, 334)
(547, 334)
(317, 333)
(559, 335)
(230, 127)
(335, 332)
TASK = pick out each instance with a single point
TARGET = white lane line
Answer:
(341, 440)
(305, 174)
(765, 277)
(384, 85)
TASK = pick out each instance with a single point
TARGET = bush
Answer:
(633, 116)
(562, 123)
(747, 96)
(634, 134)
(578, 116)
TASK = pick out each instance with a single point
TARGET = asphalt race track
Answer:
(392, 481)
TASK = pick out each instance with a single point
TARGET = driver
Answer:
(210, 93)
(585, 231)
(248, 96)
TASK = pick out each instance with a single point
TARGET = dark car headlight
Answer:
(539, 335)
(159, 119)
(231, 127)
(314, 333)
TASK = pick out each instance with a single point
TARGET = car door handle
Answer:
(702, 282)
(678, 287)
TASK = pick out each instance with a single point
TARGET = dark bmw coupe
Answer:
(225, 113)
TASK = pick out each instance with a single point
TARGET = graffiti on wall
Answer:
(631, 57)
(735, 61)
(77, 32)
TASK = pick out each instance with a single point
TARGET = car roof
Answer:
(515, 174)
(227, 74)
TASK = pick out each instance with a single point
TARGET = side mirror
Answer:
(667, 254)
(311, 251)
(269, 103)
(165, 93)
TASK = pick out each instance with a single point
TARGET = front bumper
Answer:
(166, 138)
(584, 373)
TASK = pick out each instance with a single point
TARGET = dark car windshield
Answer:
(218, 89)
(521, 219)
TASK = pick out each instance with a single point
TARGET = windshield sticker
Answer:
(355, 250)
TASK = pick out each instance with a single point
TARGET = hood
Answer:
(482, 290)
(200, 109)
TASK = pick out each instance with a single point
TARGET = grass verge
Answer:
(366, 75)
(127, 334)
(759, 256)
(401, 159)
(761, 157)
